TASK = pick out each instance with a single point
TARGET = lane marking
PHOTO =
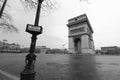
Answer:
(9, 75)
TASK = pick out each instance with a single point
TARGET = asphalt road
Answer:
(78, 67)
(65, 67)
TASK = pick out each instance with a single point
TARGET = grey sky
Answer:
(103, 16)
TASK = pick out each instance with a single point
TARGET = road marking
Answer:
(9, 75)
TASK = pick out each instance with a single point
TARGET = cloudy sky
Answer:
(104, 16)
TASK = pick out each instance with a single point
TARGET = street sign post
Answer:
(29, 72)
(32, 29)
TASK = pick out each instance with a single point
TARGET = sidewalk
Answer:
(6, 76)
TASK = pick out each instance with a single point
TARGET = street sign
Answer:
(34, 29)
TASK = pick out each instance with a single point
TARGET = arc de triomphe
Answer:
(80, 35)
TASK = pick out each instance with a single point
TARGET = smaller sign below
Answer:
(34, 29)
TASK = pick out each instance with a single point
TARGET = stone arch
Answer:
(80, 35)
(77, 45)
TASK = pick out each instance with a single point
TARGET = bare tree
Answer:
(6, 23)
(47, 5)
(6, 19)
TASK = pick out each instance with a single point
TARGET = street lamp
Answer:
(29, 72)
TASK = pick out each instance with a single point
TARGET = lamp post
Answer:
(29, 72)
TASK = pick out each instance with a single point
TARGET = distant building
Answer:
(42, 49)
(97, 51)
(9, 47)
(24, 50)
(112, 50)
(38, 49)
(57, 51)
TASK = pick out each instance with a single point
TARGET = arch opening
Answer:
(77, 45)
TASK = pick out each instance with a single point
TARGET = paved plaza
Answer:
(64, 66)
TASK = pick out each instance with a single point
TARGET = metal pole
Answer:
(29, 72)
(1, 11)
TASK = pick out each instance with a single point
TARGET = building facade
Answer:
(80, 35)
(42, 49)
(9, 47)
(111, 50)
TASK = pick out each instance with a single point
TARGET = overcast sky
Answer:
(104, 16)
